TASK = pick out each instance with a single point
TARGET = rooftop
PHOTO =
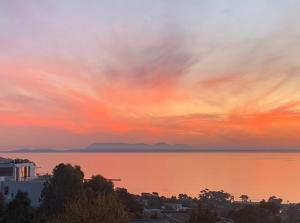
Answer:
(15, 161)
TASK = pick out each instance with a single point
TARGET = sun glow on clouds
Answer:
(159, 78)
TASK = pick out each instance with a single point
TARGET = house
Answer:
(173, 207)
(20, 175)
(145, 198)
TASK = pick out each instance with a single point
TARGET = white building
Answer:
(20, 175)
(173, 207)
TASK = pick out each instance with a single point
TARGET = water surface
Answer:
(259, 175)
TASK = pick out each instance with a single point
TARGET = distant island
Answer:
(113, 147)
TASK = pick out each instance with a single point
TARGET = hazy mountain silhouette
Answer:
(138, 147)
(143, 147)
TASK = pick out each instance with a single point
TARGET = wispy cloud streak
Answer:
(173, 73)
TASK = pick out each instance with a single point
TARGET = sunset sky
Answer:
(211, 74)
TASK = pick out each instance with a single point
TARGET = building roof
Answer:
(5, 160)
(14, 161)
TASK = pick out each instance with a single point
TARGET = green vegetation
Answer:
(265, 212)
(18, 210)
(68, 198)
(98, 185)
(293, 214)
(130, 202)
(215, 205)
(100, 209)
(65, 185)
(203, 215)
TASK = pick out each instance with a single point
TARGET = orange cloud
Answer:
(158, 89)
(82, 106)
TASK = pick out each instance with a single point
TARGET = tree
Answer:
(65, 185)
(19, 210)
(244, 198)
(100, 209)
(133, 207)
(2, 207)
(249, 214)
(99, 185)
(271, 207)
(203, 215)
(183, 197)
(265, 212)
(155, 194)
(215, 198)
(293, 214)
(185, 200)
(275, 200)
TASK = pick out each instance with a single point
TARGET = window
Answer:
(6, 171)
(6, 190)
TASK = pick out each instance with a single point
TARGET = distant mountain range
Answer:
(113, 147)
(142, 147)
(139, 147)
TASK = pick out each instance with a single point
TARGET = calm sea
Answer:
(259, 175)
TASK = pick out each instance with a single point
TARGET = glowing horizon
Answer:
(197, 73)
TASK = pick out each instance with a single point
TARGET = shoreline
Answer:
(152, 151)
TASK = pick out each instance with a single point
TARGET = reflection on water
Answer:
(259, 175)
